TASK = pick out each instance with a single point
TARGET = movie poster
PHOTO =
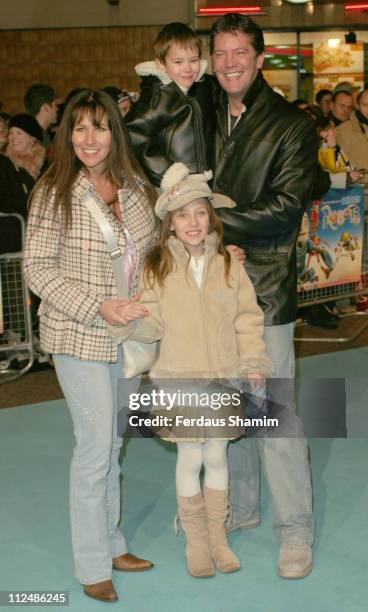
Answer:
(330, 242)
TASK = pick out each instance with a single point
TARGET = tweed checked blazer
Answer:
(70, 269)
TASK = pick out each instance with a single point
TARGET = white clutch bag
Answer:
(139, 357)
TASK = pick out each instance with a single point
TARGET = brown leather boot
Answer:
(131, 563)
(193, 521)
(103, 591)
(216, 503)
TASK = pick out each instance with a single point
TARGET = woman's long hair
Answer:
(122, 167)
(159, 262)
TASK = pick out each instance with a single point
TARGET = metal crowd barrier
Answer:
(320, 295)
(17, 352)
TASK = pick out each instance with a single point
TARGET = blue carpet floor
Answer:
(35, 448)
(351, 368)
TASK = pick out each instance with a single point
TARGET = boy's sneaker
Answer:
(295, 560)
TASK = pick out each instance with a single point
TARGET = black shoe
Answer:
(332, 310)
(320, 316)
(328, 324)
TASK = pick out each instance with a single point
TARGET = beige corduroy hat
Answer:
(179, 188)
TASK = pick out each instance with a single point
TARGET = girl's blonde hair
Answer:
(159, 262)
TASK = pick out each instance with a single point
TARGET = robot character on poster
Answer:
(330, 241)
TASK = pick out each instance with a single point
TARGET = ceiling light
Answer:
(333, 43)
(222, 10)
(356, 7)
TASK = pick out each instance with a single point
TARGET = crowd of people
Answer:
(340, 117)
(27, 149)
(181, 242)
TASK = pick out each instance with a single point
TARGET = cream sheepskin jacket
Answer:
(210, 331)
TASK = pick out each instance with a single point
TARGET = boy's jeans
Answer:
(284, 460)
(90, 389)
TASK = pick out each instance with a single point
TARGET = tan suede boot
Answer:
(193, 521)
(217, 508)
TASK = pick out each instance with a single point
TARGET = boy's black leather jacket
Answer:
(167, 125)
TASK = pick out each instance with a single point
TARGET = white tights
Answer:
(191, 456)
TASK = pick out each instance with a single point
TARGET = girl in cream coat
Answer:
(202, 307)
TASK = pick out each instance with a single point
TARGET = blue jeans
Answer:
(284, 460)
(90, 389)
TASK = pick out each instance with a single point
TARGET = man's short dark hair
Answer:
(235, 22)
(299, 101)
(340, 93)
(37, 95)
(321, 94)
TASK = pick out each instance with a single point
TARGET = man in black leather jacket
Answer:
(267, 156)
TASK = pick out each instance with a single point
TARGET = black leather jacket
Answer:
(267, 166)
(166, 126)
